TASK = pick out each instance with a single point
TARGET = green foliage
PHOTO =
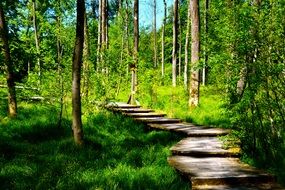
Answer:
(118, 154)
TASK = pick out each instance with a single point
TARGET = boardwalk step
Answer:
(114, 105)
(134, 110)
(262, 186)
(157, 120)
(192, 130)
(218, 171)
(204, 147)
(137, 115)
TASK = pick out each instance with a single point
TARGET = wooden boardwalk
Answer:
(202, 157)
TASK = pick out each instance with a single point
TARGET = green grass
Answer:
(174, 101)
(118, 154)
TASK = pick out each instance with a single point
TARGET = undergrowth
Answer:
(174, 102)
(119, 153)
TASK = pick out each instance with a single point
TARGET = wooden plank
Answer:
(218, 171)
(137, 115)
(192, 130)
(262, 186)
(204, 147)
(113, 105)
(134, 110)
(157, 120)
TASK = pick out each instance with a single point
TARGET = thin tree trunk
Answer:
(241, 84)
(127, 34)
(187, 46)
(104, 27)
(204, 72)
(136, 49)
(12, 102)
(37, 40)
(195, 49)
(175, 45)
(76, 69)
(154, 34)
(86, 54)
(59, 58)
(99, 41)
(163, 39)
(180, 46)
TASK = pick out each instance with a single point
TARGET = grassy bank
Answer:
(119, 154)
(174, 102)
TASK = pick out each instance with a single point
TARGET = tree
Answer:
(163, 39)
(195, 49)
(175, 44)
(99, 40)
(206, 15)
(86, 56)
(154, 34)
(187, 46)
(12, 102)
(76, 69)
(136, 50)
(37, 42)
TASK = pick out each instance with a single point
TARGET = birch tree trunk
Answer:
(86, 54)
(187, 46)
(204, 72)
(37, 40)
(163, 38)
(195, 49)
(12, 102)
(175, 45)
(76, 69)
(99, 40)
(154, 34)
(180, 46)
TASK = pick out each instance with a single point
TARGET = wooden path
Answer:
(202, 157)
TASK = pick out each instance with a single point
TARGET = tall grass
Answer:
(118, 154)
(174, 102)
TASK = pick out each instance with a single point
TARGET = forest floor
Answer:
(119, 154)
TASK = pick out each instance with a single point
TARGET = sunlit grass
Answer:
(118, 154)
(174, 101)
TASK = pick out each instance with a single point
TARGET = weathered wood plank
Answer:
(133, 110)
(218, 171)
(137, 115)
(157, 120)
(261, 186)
(113, 105)
(192, 130)
(204, 147)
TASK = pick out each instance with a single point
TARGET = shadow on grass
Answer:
(118, 154)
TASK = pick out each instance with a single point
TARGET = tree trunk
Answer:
(86, 54)
(195, 49)
(187, 46)
(12, 102)
(59, 60)
(136, 50)
(99, 41)
(37, 40)
(163, 38)
(104, 24)
(175, 45)
(76, 69)
(241, 84)
(204, 72)
(180, 46)
(154, 34)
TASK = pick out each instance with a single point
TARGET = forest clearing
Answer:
(95, 96)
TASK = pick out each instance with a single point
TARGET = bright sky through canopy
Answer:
(146, 12)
